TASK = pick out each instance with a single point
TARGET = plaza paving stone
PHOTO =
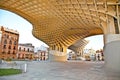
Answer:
(72, 70)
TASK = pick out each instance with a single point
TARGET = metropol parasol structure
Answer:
(65, 23)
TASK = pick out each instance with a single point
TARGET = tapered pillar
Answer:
(58, 54)
(112, 52)
(112, 45)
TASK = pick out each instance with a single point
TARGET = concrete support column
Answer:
(112, 52)
(61, 55)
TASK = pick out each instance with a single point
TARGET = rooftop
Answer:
(9, 30)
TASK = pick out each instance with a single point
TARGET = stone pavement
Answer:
(72, 70)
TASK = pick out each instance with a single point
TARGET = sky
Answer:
(95, 42)
(13, 21)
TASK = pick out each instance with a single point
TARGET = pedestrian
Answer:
(98, 57)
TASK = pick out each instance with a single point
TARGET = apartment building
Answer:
(8, 43)
(25, 51)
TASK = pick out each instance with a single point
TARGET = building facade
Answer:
(99, 55)
(72, 55)
(25, 52)
(8, 43)
(41, 55)
(89, 54)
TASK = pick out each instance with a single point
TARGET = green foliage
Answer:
(8, 59)
(5, 72)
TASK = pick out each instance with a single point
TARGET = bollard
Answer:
(25, 67)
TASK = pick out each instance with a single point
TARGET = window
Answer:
(10, 42)
(24, 49)
(4, 47)
(44, 53)
(41, 54)
(19, 48)
(9, 47)
(18, 56)
(13, 52)
(8, 52)
(14, 48)
(15, 43)
(28, 50)
(3, 52)
(5, 41)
